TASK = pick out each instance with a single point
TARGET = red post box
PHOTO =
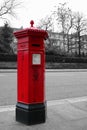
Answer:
(31, 102)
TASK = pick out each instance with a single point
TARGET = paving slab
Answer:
(61, 115)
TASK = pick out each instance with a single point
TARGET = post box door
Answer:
(36, 94)
(23, 76)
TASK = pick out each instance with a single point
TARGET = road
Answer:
(59, 85)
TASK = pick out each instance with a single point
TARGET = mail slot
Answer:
(36, 45)
(31, 102)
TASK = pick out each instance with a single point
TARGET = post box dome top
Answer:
(32, 31)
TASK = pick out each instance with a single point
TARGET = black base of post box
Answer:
(31, 114)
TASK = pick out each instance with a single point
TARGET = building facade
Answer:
(70, 44)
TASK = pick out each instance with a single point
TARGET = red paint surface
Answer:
(31, 87)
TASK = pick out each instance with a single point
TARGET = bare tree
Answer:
(46, 23)
(68, 27)
(80, 25)
(64, 19)
(8, 8)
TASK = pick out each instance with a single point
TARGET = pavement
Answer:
(8, 70)
(66, 114)
(47, 70)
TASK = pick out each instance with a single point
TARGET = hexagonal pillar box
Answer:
(31, 103)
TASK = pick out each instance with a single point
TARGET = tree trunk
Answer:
(79, 44)
(67, 43)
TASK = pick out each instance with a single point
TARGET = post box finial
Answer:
(31, 22)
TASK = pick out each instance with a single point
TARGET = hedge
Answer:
(61, 59)
(49, 58)
(8, 57)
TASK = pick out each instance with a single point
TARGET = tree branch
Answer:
(8, 7)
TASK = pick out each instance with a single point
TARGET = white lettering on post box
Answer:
(36, 59)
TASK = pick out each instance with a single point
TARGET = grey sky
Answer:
(37, 9)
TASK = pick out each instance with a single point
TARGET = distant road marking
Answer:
(49, 103)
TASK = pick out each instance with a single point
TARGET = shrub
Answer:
(62, 59)
(7, 57)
